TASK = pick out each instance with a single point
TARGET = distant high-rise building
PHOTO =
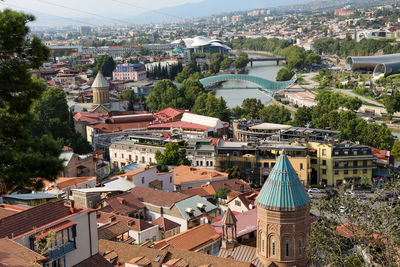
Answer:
(85, 30)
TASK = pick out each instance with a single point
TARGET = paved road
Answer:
(350, 93)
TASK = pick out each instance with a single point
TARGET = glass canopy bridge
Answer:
(262, 84)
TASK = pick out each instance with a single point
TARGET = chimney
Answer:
(112, 218)
(121, 200)
(131, 222)
(72, 208)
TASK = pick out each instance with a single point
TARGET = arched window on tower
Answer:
(287, 249)
(300, 247)
(273, 247)
(263, 245)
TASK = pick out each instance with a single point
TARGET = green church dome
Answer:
(283, 190)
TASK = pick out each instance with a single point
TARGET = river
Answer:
(235, 97)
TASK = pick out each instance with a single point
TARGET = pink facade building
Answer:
(130, 72)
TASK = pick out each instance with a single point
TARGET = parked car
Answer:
(362, 196)
(314, 190)
(310, 196)
(349, 193)
(342, 209)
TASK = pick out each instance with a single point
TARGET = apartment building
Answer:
(334, 164)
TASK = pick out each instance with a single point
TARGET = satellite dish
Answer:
(250, 206)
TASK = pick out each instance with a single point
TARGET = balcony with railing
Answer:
(63, 249)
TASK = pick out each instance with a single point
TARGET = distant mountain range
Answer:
(206, 8)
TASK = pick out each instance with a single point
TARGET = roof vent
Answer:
(121, 200)
(112, 219)
(131, 222)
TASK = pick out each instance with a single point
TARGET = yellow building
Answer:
(334, 164)
(256, 161)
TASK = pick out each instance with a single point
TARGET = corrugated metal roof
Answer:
(283, 190)
(192, 203)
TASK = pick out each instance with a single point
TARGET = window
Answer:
(365, 163)
(197, 163)
(346, 164)
(301, 166)
(238, 203)
(314, 161)
(346, 152)
(324, 162)
(365, 171)
(142, 180)
(346, 172)
(323, 171)
(170, 179)
(211, 163)
(355, 152)
(287, 249)
(272, 164)
(336, 153)
(336, 172)
(201, 163)
(207, 163)
(122, 155)
(266, 165)
(300, 247)
(262, 245)
(323, 152)
(130, 157)
(273, 247)
(354, 171)
(355, 163)
(115, 155)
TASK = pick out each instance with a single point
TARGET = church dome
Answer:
(283, 190)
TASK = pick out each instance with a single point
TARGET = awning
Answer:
(54, 229)
(312, 150)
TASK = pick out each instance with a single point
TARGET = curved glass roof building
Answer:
(370, 62)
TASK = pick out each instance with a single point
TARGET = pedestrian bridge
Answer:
(264, 84)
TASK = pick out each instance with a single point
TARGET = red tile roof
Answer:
(165, 224)
(125, 203)
(157, 197)
(90, 116)
(133, 223)
(95, 261)
(246, 223)
(191, 239)
(168, 114)
(119, 127)
(187, 174)
(34, 218)
(13, 254)
(65, 182)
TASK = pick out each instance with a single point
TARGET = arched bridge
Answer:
(264, 84)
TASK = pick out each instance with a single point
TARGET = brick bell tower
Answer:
(101, 90)
(283, 218)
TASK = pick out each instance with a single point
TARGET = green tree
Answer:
(392, 102)
(209, 105)
(284, 74)
(241, 61)
(190, 89)
(185, 73)
(251, 108)
(275, 114)
(312, 58)
(173, 155)
(22, 155)
(302, 117)
(226, 63)
(396, 150)
(129, 95)
(234, 172)
(215, 62)
(105, 64)
(52, 116)
(165, 94)
(353, 103)
(362, 229)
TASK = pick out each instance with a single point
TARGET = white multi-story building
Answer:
(72, 231)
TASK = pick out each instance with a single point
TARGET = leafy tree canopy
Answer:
(284, 74)
(22, 155)
(105, 64)
(173, 155)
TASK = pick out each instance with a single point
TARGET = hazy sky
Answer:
(43, 9)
